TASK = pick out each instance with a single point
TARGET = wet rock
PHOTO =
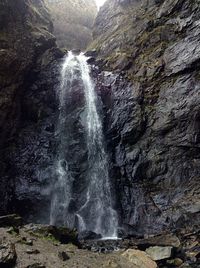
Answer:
(89, 235)
(8, 254)
(91, 60)
(32, 52)
(159, 253)
(63, 256)
(10, 220)
(103, 246)
(76, 51)
(91, 53)
(139, 258)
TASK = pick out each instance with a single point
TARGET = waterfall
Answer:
(96, 212)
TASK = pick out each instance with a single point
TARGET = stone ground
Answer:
(39, 246)
(46, 252)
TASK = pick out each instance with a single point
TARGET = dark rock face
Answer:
(27, 103)
(152, 110)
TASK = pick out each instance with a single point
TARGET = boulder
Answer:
(62, 234)
(160, 240)
(139, 258)
(8, 254)
(91, 53)
(159, 253)
(63, 256)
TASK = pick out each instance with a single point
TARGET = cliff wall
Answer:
(28, 71)
(152, 109)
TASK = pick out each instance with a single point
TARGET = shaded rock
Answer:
(91, 53)
(63, 256)
(184, 54)
(36, 265)
(175, 262)
(159, 253)
(8, 254)
(13, 230)
(10, 220)
(154, 118)
(62, 234)
(89, 235)
(139, 258)
(161, 240)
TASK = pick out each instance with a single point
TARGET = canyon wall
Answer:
(147, 75)
(73, 22)
(28, 71)
(152, 109)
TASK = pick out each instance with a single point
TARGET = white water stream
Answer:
(96, 213)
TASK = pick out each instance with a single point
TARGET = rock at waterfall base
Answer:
(139, 258)
(159, 253)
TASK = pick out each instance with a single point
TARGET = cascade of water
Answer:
(96, 213)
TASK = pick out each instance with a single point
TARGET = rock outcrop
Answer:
(73, 22)
(28, 71)
(152, 109)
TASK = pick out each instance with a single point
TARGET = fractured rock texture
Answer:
(152, 118)
(29, 60)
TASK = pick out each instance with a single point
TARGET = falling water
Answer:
(96, 213)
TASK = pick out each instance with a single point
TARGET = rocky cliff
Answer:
(152, 109)
(73, 22)
(148, 80)
(29, 60)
